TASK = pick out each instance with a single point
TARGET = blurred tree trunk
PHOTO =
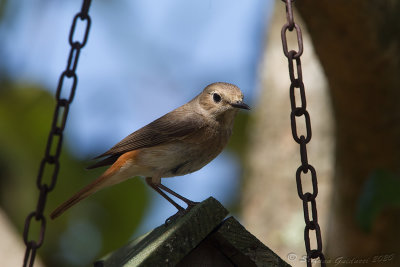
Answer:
(271, 207)
(358, 44)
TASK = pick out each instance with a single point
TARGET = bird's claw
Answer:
(175, 216)
(181, 212)
(191, 204)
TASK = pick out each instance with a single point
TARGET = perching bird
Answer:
(180, 142)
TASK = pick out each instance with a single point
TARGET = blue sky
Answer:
(142, 59)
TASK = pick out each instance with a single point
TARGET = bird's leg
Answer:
(158, 190)
(190, 203)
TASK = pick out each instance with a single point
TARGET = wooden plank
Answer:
(166, 245)
(229, 245)
(206, 254)
(232, 238)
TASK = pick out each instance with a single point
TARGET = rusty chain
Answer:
(311, 220)
(56, 136)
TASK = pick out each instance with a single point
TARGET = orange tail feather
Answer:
(81, 194)
(110, 177)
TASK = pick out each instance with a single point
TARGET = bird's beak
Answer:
(240, 104)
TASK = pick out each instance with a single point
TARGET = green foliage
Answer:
(89, 230)
(3, 4)
(238, 145)
(238, 140)
(381, 192)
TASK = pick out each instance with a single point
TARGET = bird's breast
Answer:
(184, 156)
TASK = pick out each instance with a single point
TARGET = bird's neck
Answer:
(227, 118)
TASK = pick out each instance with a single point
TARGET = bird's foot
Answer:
(191, 204)
(181, 212)
(175, 216)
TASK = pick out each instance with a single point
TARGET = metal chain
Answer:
(308, 198)
(55, 136)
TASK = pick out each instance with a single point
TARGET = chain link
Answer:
(55, 136)
(308, 198)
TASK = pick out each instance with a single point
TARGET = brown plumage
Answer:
(180, 142)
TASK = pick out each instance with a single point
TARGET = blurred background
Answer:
(145, 58)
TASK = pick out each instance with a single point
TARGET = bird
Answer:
(178, 143)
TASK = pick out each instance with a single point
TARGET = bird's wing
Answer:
(173, 126)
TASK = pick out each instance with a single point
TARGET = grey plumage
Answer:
(180, 142)
(174, 125)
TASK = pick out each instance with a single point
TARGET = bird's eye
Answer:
(216, 98)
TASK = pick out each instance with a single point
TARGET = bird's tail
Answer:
(111, 176)
(103, 181)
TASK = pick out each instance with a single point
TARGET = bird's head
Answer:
(222, 100)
